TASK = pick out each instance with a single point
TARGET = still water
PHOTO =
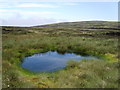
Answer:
(50, 61)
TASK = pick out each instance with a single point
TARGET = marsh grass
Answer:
(88, 74)
(22, 42)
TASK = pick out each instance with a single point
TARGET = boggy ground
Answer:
(19, 42)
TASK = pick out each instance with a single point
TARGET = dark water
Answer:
(50, 61)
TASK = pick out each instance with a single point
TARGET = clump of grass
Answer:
(88, 74)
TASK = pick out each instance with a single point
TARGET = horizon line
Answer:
(56, 23)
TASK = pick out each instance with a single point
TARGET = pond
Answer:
(50, 61)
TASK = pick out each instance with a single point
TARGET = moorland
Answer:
(99, 38)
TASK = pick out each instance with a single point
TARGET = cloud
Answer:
(27, 5)
(70, 3)
(47, 5)
(7, 13)
(14, 14)
(37, 13)
(37, 5)
(4, 5)
(7, 10)
(28, 22)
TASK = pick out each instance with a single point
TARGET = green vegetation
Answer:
(85, 38)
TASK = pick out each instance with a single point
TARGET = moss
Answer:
(111, 57)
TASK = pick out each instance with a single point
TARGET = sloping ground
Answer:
(85, 24)
(99, 29)
(19, 42)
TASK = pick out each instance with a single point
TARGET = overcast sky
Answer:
(39, 13)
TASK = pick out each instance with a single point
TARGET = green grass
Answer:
(88, 74)
(19, 42)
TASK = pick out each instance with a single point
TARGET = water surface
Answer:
(50, 61)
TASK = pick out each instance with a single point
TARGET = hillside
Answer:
(85, 24)
(84, 28)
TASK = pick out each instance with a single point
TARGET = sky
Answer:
(39, 13)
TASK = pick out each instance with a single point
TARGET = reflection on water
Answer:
(50, 61)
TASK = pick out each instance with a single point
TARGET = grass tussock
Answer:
(88, 74)
(82, 74)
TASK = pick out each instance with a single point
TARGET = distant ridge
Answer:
(83, 24)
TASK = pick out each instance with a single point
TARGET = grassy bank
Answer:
(19, 42)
